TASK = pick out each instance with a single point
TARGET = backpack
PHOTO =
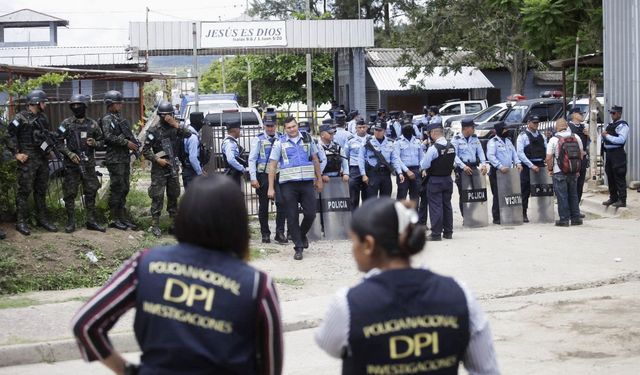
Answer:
(204, 152)
(569, 156)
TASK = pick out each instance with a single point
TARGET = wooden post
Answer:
(141, 99)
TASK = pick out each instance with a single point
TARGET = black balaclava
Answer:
(79, 111)
(407, 131)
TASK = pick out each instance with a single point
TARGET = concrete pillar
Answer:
(357, 89)
(53, 34)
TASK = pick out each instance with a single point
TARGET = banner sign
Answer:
(243, 34)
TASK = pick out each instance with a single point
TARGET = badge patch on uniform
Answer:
(44, 145)
(15, 123)
(62, 129)
(83, 134)
(150, 136)
(113, 126)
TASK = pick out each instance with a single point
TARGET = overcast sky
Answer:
(106, 22)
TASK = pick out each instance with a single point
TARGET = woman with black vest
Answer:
(401, 319)
(200, 308)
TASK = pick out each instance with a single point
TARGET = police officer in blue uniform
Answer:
(333, 161)
(377, 161)
(531, 146)
(394, 125)
(258, 162)
(578, 128)
(296, 154)
(399, 319)
(614, 137)
(434, 115)
(199, 307)
(352, 121)
(357, 188)
(232, 152)
(191, 164)
(409, 150)
(437, 164)
(469, 153)
(342, 135)
(423, 208)
(502, 156)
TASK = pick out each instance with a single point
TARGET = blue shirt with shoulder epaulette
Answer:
(259, 155)
(386, 149)
(231, 150)
(501, 153)
(352, 149)
(409, 151)
(342, 136)
(468, 150)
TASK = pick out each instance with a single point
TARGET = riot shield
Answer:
(509, 197)
(473, 194)
(336, 209)
(540, 208)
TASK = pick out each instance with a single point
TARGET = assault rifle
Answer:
(125, 129)
(167, 149)
(380, 157)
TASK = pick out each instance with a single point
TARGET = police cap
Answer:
(467, 122)
(434, 109)
(433, 126)
(270, 117)
(361, 122)
(616, 108)
(326, 128)
(340, 118)
(382, 110)
(535, 119)
(379, 125)
(231, 125)
(575, 110)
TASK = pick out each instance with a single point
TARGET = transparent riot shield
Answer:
(473, 194)
(540, 208)
(509, 197)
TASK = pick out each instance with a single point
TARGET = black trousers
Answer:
(301, 192)
(493, 182)
(357, 188)
(582, 176)
(615, 168)
(423, 208)
(188, 174)
(379, 183)
(525, 183)
(409, 186)
(440, 189)
(263, 205)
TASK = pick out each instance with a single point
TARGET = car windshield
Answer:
(213, 107)
(482, 116)
(242, 118)
(516, 114)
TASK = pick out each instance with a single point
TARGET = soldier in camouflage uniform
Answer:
(117, 160)
(81, 136)
(160, 149)
(4, 157)
(32, 145)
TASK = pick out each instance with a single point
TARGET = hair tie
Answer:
(406, 216)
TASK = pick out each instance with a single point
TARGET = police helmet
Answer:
(79, 99)
(36, 97)
(112, 96)
(434, 109)
(165, 108)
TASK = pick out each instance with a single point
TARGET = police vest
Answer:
(583, 137)
(408, 321)
(611, 130)
(295, 161)
(195, 310)
(535, 149)
(265, 144)
(334, 160)
(443, 164)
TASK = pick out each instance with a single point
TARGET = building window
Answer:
(130, 89)
(84, 87)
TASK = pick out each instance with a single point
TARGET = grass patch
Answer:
(256, 253)
(291, 281)
(13, 303)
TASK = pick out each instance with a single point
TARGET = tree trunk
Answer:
(387, 23)
(518, 69)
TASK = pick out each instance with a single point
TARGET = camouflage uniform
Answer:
(26, 137)
(118, 162)
(75, 133)
(163, 177)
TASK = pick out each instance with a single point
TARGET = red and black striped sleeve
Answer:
(94, 320)
(269, 340)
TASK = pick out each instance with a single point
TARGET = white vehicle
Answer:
(583, 104)
(210, 106)
(491, 114)
(456, 107)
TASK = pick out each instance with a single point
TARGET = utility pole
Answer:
(195, 64)
(146, 22)
(575, 74)
(224, 82)
(310, 108)
(249, 91)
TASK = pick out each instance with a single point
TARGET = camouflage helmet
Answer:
(36, 97)
(79, 99)
(165, 108)
(112, 96)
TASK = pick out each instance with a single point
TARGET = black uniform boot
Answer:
(23, 228)
(124, 218)
(2, 235)
(609, 202)
(620, 203)
(71, 222)
(91, 223)
(116, 221)
(155, 227)
(280, 238)
(44, 223)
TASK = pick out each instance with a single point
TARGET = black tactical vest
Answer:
(196, 310)
(443, 164)
(578, 131)
(410, 318)
(334, 160)
(611, 130)
(28, 129)
(535, 149)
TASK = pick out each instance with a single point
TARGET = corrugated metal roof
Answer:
(26, 16)
(388, 79)
(380, 57)
(116, 75)
(70, 56)
(622, 71)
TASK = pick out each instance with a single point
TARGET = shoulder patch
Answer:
(62, 129)
(150, 136)
(15, 123)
